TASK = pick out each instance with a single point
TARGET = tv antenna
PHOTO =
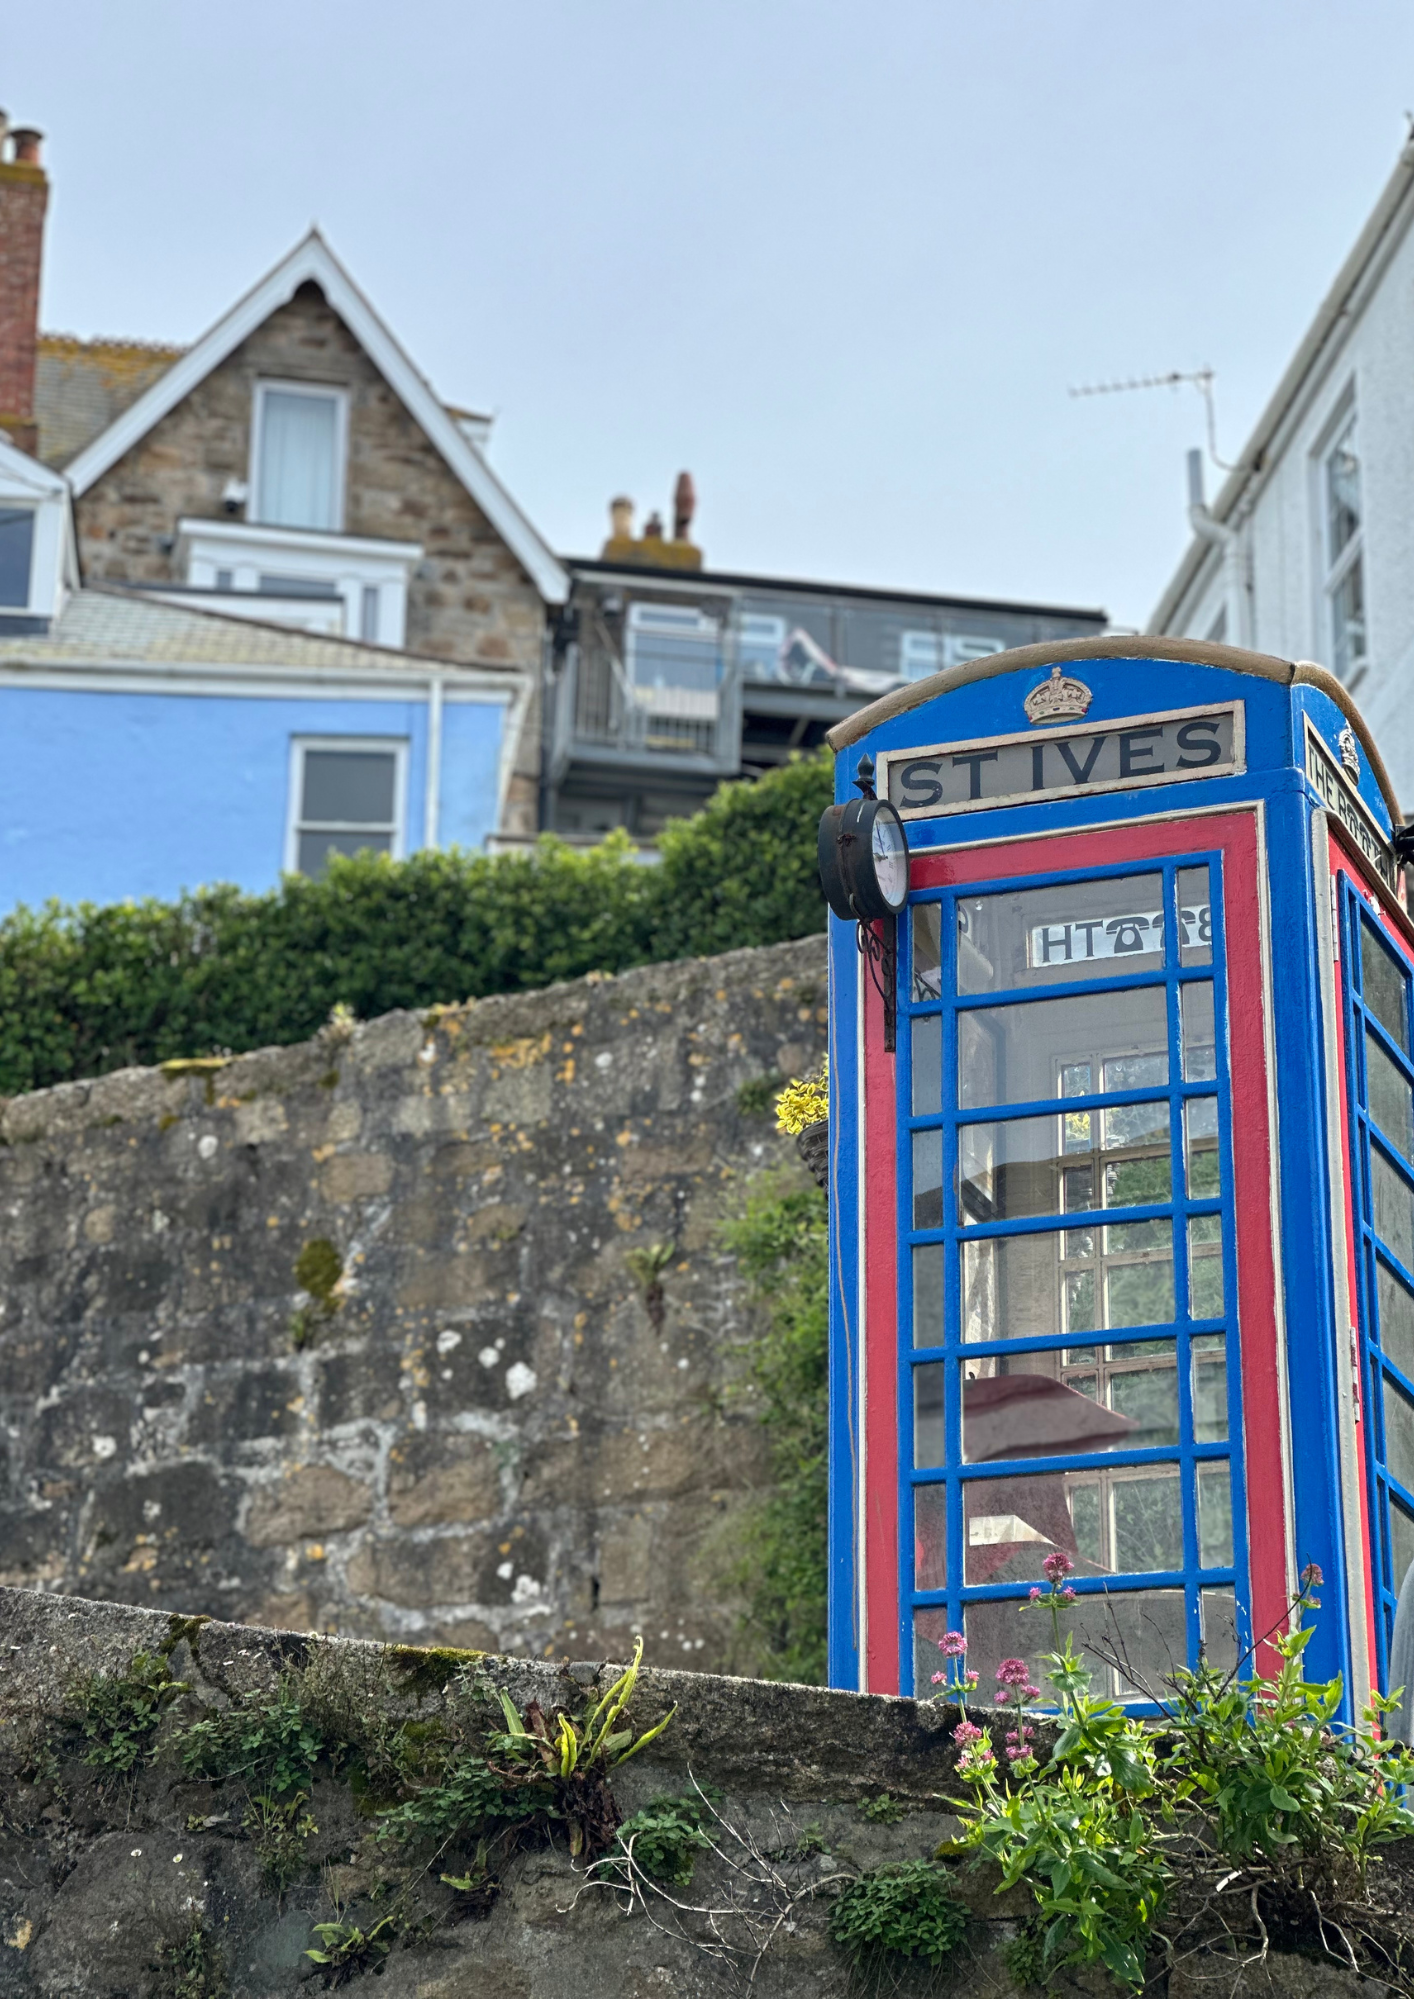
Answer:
(1201, 379)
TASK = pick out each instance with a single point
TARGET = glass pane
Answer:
(1401, 1537)
(1068, 930)
(1399, 1435)
(1348, 620)
(1195, 917)
(927, 951)
(16, 545)
(1200, 1063)
(349, 787)
(927, 1065)
(1209, 1362)
(315, 848)
(1054, 1165)
(1215, 1515)
(1071, 1281)
(1066, 1401)
(1391, 1098)
(930, 1537)
(928, 1295)
(298, 437)
(1394, 1209)
(1200, 1119)
(928, 1414)
(1396, 1320)
(1384, 985)
(928, 1180)
(1109, 1523)
(1205, 1267)
(1343, 491)
(1219, 1611)
(1143, 1630)
(1051, 1048)
(929, 1625)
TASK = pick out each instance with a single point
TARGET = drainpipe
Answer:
(433, 805)
(1236, 595)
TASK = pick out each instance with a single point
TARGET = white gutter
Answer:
(1237, 590)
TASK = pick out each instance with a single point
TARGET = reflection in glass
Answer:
(1073, 1281)
(1050, 1166)
(1384, 986)
(928, 1435)
(930, 1538)
(1209, 1361)
(1199, 1036)
(928, 1180)
(1401, 1540)
(1195, 917)
(927, 952)
(927, 1065)
(1219, 1611)
(1146, 1519)
(1396, 1320)
(1399, 1435)
(1394, 1208)
(1032, 1049)
(1146, 1628)
(1215, 1515)
(930, 1622)
(1391, 1098)
(1067, 930)
(928, 1295)
(1050, 1404)
(1205, 1267)
(1200, 1120)
(1126, 1521)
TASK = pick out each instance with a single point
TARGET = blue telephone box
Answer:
(1122, 1167)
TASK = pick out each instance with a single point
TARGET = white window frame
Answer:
(295, 823)
(1332, 570)
(340, 399)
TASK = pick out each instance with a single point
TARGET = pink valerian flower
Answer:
(952, 1645)
(1018, 1743)
(1034, 1596)
(965, 1733)
(940, 1680)
(970, 1678)
(1013, 1674)
(1056, 1566)
(1066, 1596)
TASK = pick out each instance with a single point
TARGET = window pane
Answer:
(298, 444)
(349, 787)
(1148, 1629)
(1219, 1610)
(1399, 1435)
(927, 951)
(1147, 1512)
(1054, 1048)
(927, 1065)
(1071, 1281)
(1401, 1536)
(1200, 1117)
(1195, 917)
(1384, 986)
(1073, 930)
(1396, 1320)
(930, 1538)
(16, 549)
(1215, 1515)
(1394, 1209)
(930, 1622)
(1049, 1166)
(1123, 1522)
(1343, 491)
(1209, 1361)
(928, 1414)
(1205, 1267)
(1348, 621)
(928, 1295)
(1391, 1098)
(928, 1180)
(1200, 1064)
(315, 848)
(1067, 1401)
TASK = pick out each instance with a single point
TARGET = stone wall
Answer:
(424, 1332)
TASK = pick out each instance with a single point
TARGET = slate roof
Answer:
(81, 386)
(105, 627)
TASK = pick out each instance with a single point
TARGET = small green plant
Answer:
(470, 1798)
(191, 1967)
(267, 1740)
(665, 1838)
(755, 1097)
(902, 1912)
(882, 1809)
(119, 1713)
(319, 1270)
(280, 1830)
(345, 1949)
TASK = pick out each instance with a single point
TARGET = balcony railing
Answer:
(678, 706)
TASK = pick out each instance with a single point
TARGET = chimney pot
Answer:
(27, 145)
(684, 506)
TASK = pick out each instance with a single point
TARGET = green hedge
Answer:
(84, 990)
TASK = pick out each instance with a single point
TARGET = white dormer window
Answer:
(298, 448)
(16, 556)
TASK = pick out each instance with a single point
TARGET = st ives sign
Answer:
(1140, 750)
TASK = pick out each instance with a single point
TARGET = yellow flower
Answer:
(805, 1101)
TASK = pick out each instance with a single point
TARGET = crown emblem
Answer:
(1349, 751)
(1060, 699)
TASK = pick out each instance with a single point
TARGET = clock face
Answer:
(890, 850)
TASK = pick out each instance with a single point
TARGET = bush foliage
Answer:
(84, 989)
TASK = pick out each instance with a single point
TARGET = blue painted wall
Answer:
(108, 796)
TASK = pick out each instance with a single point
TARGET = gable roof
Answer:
(313, 261)
(1378, 240)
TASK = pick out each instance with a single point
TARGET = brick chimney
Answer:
(24, 195)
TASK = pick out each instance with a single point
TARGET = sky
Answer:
(843, 261)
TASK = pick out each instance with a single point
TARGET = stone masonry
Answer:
(420, 1331)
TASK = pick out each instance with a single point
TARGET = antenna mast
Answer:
(1201, 379)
